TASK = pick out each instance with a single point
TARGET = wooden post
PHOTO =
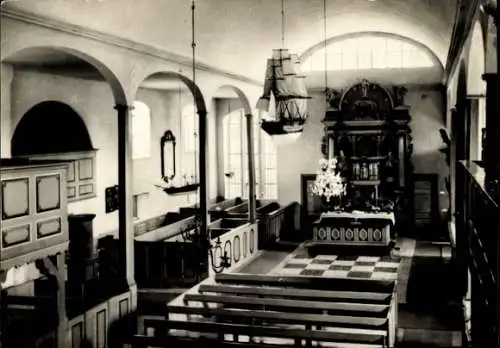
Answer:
(125, 184)
(58, 272)
(203, 147)
(252, 213)
(3, 310)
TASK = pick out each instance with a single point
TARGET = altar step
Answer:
(320, 248)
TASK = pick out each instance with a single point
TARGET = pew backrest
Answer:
(169, 231)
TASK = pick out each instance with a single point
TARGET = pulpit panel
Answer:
(33, 208)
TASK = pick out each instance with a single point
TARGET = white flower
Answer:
(328, 183)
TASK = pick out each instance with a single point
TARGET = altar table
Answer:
(354, 228)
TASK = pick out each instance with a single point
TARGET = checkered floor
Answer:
(336, 266)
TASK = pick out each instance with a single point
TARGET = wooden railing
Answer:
(235, 238)
(278, 225)
(169, 264)
(275, 222)
(33, 321)
(478, 228)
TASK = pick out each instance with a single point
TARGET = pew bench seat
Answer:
(230, 310)
(144, 341)
(274, 334)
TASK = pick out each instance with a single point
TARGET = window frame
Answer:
(189, 154)
(344, 54)
(141, 130)
(260, 146)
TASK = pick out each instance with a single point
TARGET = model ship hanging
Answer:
(287, 85)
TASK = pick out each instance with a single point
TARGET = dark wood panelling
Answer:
(8, 197)
(426, 196)
(101, 329)
(77, 335)
(44, 193)
(123, 308)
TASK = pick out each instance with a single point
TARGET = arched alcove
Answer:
(50, 127)
(177, 106)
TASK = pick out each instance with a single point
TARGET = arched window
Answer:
(236, 181)
(269, 172)
(189, 143)
(141, 131)
(368, 52)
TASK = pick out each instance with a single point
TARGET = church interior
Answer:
(249, 173)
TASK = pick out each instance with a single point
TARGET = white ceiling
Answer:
(238, 35)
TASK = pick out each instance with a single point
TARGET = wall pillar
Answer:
(3, 310)
(6, 131)
(492, 142)
(203, 148)
(252, 214)
(125, 183)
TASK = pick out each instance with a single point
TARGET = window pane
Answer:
(371, 52)
(394, 59)
(349, 61)
(335, 62)
(141, 130)
(364, 60)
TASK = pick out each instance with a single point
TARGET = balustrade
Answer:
(478, 229)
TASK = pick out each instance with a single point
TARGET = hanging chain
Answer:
(325, 46)
(193, 42)
(193, 47)
(282, 23)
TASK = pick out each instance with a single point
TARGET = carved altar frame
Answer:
(367, 128)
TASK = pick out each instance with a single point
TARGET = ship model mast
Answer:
(286, 84)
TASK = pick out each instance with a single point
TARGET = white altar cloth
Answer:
(358, 214)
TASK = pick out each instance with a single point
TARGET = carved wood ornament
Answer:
(368, 126)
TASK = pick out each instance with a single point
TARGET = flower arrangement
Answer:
(329, 182)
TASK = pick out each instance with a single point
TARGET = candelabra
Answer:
(204, 242)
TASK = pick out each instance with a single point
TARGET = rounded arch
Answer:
(476, 62)
(373, 86)
(117, 89)
(50, 127)
(320, 45)
(193, 88)
(241, 96)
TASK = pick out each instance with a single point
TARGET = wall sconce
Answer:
(167, 145)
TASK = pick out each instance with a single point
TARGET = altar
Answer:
(353, 228)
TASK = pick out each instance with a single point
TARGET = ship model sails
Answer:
(284, 81)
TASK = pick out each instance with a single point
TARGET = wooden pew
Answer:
(376, 338)
(264, 310)
(169, 231)
(220, 209)
(306, 282)
(164, 260)
(273, 220)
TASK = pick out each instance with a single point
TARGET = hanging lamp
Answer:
(199, 236)
(285, 83)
